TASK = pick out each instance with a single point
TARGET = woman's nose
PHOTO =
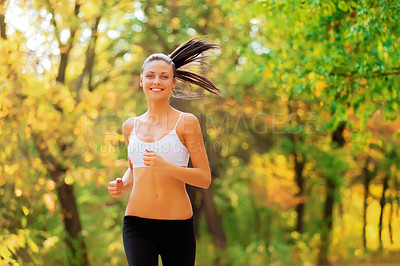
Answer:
(156, 80)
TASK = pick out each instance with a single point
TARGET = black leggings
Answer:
(145, 239)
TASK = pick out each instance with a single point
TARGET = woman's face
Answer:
(157, 79)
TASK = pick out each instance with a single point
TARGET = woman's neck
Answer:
(158, 111)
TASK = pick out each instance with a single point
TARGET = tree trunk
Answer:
(298, 171)
(3, 27)
(214, 221)
(382, 202)
(299, 166)
(331, 188)
(72, 224)
(65, 192)
(69, 208)
(195, 199)
(327, 224)
(390, 223)
(367, 179)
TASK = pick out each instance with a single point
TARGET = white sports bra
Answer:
(169, 147)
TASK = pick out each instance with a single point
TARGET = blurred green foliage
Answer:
(292, 73)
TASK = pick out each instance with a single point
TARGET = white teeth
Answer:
(156, 89)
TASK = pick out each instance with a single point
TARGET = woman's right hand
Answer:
(116, 187)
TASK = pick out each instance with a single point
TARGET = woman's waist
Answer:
(159, 195)
(138, 220)
(151, 206)
(183, 214)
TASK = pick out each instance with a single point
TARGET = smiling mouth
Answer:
(156, 89)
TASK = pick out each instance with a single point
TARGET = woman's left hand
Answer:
(153, 159)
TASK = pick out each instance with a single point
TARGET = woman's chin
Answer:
(157, 96)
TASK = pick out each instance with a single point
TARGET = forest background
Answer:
(303, 145)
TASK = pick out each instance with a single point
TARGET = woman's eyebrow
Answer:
(154, 72)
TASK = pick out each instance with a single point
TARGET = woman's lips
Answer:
(156, 89)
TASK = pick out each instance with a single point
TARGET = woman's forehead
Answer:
(158, 66)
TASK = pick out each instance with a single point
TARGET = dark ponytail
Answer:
(189, 53)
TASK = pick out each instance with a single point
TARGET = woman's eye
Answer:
(149, 76)
(165, 77)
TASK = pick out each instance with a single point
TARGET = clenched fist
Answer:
(116, 187)
(152, 159)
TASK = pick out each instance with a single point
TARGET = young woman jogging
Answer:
(159, 218)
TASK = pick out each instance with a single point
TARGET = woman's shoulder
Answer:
(128, 125)
(187, 115)
(189, 124)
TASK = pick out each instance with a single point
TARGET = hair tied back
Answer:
(192, 51)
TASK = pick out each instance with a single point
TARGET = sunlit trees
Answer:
(305, 135)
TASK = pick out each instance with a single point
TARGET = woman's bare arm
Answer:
(127, 179)
(118, 186)
(200, 174)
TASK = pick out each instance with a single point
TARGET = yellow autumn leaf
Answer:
(267, 73)
(88, 157)
(18, 192)
(33, 246)
(68, 180)
(50, 185)
(319, 87)
(175, 23)
(51, 241)
(49, 202)
(25, 210)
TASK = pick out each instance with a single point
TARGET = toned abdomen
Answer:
(158, 196)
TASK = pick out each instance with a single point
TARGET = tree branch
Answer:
(3, 27)
(90, 61)
(47, 158)
(395, 71)
(54, 23)
(67, 48)
(164, 44)
(90, 55)
(110, 77)
(160, 38)
(352, 75)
